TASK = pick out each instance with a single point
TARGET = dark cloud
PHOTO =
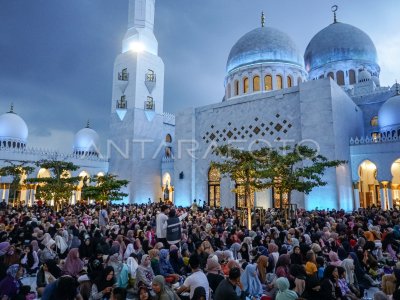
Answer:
(56, 57)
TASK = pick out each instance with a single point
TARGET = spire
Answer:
(141, 14)
(334, 9)
(262, 19)
(11, 108)
(397, 89)
(88, 124)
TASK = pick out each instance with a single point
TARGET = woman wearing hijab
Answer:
(283, 290)
(73, 264)
(334, 259)
(166, 269)
(251, 284)
(144, 273)
(199, 293)
(30, 260)
(11, 284)
(48, 273)
(295, 257)
(161, 290)
(244, 252)
(102, 285)
(282, 266)
(49, 253)
(129, 251)
(329, 287)
(86, 249)
(214, 273)
(262, 265)
(121, 270)
(235, 248)
(176, 260)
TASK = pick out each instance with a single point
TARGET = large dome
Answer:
(339, 42)
(262, 45)
(86, 141)
(389, 114)
(13, 129)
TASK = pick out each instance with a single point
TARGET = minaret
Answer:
(136, 123)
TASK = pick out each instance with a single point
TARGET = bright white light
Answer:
(136, 47)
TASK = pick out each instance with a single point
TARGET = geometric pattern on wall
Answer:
(260, 129)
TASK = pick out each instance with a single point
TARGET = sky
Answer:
(57, 56)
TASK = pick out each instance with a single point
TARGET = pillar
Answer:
(7, 193)
(390, 196)
(356, 192)
(384, 195)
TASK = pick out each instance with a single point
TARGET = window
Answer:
(374, 121)
(150, 76)
(256, 83)
(289, 82)
(340, 77)
(240, 196)
(236, 88)
(279, 82)
(214, 187)
(123, 75)
(168, 152)
(352, 77)
(268, 82)
(375, 136)
(331, 75)
(245, 85)
(122, 103)
(228, 90)
(149, 104)
(168, 138)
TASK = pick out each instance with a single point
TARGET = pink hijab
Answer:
(73, 264)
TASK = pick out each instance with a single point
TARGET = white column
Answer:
(356, 192)
(7, 194)
(383, 198)
(390, 196)
(27, 196)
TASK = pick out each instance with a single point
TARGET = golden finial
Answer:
(262, 19)
(88, 124)
(397, 88)
(334, 9)
(12, 107)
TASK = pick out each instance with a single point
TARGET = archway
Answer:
(395, 169)
(84, 180)
(167, 189)
(368, 185)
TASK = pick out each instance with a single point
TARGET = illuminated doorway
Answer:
(368, 185)
(214, 187)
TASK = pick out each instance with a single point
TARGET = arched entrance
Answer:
(214, 187)
(84, 180)
(368, 185)
(396, 183)
(167, 189)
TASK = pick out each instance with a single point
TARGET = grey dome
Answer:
(13, 128)
(364, 75)
(264, 45)
(339, 42)
(389, 114)
(86, 140)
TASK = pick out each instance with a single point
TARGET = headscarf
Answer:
(13, 270)
(101, 281)
(296, 258)
(348, 265)
(199, 292)
(129, 251)
(165, 292)
(61, 244)
(213, 266)
(284, 293)
(35, 245)
(250, 281)
(73, 264)
(115, 261)
(165, 265)
(235, 248)
(132, 265)
(46, 239)
(50, 243)
(4, 248)
(334, 259)
(262, 264)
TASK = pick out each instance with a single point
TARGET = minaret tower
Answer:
(136, 125)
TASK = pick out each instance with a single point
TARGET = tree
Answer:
(107, 188)
(16, 170)
(240, 166)
(60, 185)
(293, 169)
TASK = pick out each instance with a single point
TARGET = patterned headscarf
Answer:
(12, 270)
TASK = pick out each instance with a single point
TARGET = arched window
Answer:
(245, 85)
(268, 82)
(279, 82)
(331, 75)
(374, 121)
(340, 77)
(236, 92)
(256, 83)
(168, 138)
(289, 81)
(168, 152)
(352, 77)
(214, 187)
(228, 90)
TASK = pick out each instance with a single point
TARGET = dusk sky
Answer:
(56, 57)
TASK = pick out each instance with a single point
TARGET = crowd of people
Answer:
(156, 251)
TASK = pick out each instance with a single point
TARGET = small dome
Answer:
(364, 76)
(389, 114)
(13, 129)
(86, 141)
(263, 45)
(376, 80)
(395, 87)
(339, 42)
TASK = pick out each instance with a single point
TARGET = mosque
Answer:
(330, 98)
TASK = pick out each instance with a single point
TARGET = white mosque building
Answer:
(329, 97)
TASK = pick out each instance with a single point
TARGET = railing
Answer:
(387, 137)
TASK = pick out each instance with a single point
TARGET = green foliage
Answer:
(106, 188)
(59, 186)
(16, 170)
